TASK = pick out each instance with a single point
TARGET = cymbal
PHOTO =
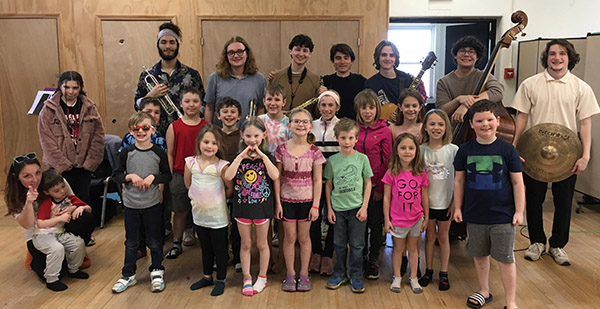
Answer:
(550, 151)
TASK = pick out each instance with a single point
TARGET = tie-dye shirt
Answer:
(207, 192)
(296, 175)
(277, 131)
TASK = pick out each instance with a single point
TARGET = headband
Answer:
(167, 32)
(332, 94)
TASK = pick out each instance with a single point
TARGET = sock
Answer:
(79, 275)
(56, 286)
(247, 287)
(260, 284)
(177, 242)
(414, 284)
(219, 288)
(204, 282)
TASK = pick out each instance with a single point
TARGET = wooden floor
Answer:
(541, 284)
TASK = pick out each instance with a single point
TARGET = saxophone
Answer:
(311, 101)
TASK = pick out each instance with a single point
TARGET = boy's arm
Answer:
(118, 174)
(519, 194)
(43, 223)
(209, 110)
(459, 187)
(79, 203)
(328, 189)
(164, 175)
(170, 137)
(362, 212)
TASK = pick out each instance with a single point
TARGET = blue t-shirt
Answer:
(488, 192)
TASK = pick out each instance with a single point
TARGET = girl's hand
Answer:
(388, 227)
(246, 153)
(278, 211)
(32, 195)
(331, 216)
(361, 215)
(450, 212)
(77, 213)
(260, 154)
(377, 196)
(424, 225)
(313, 215)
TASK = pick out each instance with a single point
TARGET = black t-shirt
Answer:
(348, 87)
(391, 87)
(253, 190)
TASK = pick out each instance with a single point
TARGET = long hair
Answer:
(70, 76)
(364, 98)
(416, 166)
(447, 138)
(15, 193)
(216, 131)
(573, 55)
(380, 47)
(259, 124)
(414, 94)
(223, 66)
(310, 138)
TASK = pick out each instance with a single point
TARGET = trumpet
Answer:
(165, 101)
(252, 111)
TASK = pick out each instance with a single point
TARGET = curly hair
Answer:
(469, 41)
(573, 55)
(302, 40)
(224, 67)
(380, 47)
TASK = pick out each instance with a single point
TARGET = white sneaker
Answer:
(189, 238)
(123, 283)
(535, 251)
(158, 281)
(560, 256)
(396, 283)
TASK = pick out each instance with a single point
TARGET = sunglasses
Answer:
(145, 128)
(23, 158)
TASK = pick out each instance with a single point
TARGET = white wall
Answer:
(546, 18)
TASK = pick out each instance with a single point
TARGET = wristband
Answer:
(315, 207)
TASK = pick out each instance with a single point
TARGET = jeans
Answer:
(562, 193)
(315, 232)
(375, 225)
(348, 231)
(214, 249)
(151, 217)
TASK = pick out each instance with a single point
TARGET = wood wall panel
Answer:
(28, 62)
(79, 33)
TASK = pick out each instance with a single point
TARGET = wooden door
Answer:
(261, 35)
(127, 45)
(29, 62)
(324, 34)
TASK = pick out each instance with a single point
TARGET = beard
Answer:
(168, 57)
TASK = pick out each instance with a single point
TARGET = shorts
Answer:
(179, 193)
(497, 240)
(250, 221)
(296, 212)
(438, 214)
(411, 231)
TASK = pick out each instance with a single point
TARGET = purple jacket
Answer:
(376, 143)
(55, 139)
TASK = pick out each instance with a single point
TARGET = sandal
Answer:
(479, 300)
(174, 252)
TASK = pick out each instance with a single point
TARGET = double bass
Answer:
(506, 130)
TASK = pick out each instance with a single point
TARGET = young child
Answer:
(49, 235)
(229, 112)
(348, 189)
(409, 118)
(405, 206)
(438, 155)
(329, 104)
(142, 167)
(275, 121)
(492, 198)
(203, 177)
(152, 107)
(181, 136)
(375, 141)
(254, 173)
(300, 164)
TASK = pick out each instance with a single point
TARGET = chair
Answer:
(102, 175)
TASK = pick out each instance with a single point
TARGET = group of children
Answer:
(398, 178)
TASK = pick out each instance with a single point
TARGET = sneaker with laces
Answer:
(535, 251)
(123, 283)
(335, 282)
(357, 285)
(157, 283)
(396, 284)
(372, 271)
(560, 256)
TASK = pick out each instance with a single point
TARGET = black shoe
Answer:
(56, 286)
(426, 279)
(79, 275)
(372, 271)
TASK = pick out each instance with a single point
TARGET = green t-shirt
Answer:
(347, 174)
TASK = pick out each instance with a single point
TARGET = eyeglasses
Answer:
(301, 121)
(469, 51)
(145, 128)
(23, 158)
(239, 52)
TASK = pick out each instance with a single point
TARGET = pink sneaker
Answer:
(326, 266)
(315, 263)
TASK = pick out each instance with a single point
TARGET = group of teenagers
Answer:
(231, 170)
